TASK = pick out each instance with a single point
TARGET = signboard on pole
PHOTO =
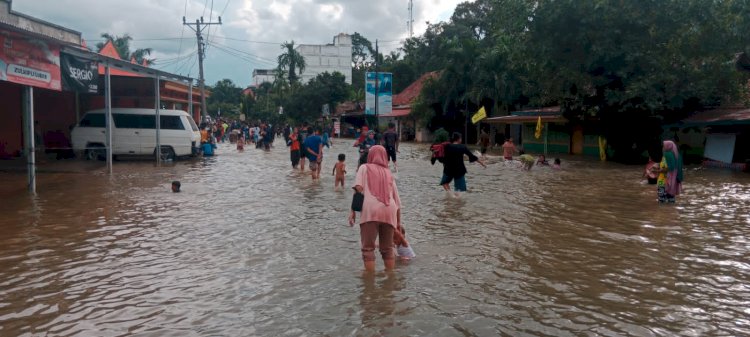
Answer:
(337, 128)
(29, 61)
(385, 94)
(78, 74)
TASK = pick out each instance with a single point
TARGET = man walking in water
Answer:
(391, 143)
(509, 149)
(314, 148)
(453, 165)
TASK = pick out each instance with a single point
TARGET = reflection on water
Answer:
(251, 248)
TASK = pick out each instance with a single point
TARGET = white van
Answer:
(134, 133)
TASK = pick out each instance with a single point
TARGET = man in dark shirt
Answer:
(391, 143)
(453, 164)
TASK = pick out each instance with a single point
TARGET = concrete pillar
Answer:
(28, 122)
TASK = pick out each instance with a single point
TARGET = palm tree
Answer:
(291, 61)
(122, 45)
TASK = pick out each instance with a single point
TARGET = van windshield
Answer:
(92, 120)
(192, 123)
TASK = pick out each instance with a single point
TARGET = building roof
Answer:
(32, 25)
(397, 113)
(408, 95)
(349, 108)
(719, 116)
(514, 119)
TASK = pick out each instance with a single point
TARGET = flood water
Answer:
(250, 248)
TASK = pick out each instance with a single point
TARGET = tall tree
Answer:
(122, 45)
(291, 61)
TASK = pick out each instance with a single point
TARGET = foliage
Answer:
(291, 62)
(225, 97)
(623, 63)
(122, 45)
(300, 102)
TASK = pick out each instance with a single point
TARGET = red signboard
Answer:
(30, 61)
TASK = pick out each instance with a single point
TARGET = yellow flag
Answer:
(539, 127)
(480, 115)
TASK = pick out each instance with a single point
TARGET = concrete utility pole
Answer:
(198, 29)
(410, 23)
(377, 85)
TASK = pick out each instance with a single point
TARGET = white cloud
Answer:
(247, 24)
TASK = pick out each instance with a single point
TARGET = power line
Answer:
(182, 32)
(246, 53)
(245, 57)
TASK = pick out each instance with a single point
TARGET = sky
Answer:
(251, 31)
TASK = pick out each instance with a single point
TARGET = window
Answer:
(171, 123)
(92, 121)
(148, 121)
(124, 121)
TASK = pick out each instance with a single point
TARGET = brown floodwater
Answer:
(250, 248)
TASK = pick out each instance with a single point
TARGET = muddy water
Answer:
(250, 248)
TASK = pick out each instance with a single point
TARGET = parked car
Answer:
(134, 133)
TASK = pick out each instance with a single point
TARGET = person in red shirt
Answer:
(294, 148)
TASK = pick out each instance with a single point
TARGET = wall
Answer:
(328, 58)
(558, 139)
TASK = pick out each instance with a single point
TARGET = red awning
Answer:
(525, 119)
(397, 113)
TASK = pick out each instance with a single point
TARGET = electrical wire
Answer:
(182, 33)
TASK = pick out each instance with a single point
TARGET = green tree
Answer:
(291, 61)
(225, 96)
(122, 45)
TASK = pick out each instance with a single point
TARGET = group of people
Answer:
(306, 144)
(261, 134)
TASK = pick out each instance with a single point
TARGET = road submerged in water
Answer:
(252, 248)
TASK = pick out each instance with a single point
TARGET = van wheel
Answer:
(95, 153)
(167, 153)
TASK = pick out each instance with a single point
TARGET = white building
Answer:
(336, 57)
(262, 75)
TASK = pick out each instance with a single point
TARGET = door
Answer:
(147, 134)
(576, 141)
(125, 135)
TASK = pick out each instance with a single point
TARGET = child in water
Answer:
(404, 252)
(339, 170)
(542, 161)
(556, 164)
(651, 173)
(241, 143)
(176, 186)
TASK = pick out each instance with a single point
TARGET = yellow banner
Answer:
(538, 132)
(480, 115)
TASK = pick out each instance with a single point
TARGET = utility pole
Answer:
(198, 29)
(377, 85)
(410, 23)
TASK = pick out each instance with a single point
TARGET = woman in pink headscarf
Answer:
(381, 209)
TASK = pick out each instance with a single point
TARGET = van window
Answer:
(92, 121)
(123, 121)
(148, 121)
(171, 123)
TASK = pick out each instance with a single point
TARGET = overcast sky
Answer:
(251, 33)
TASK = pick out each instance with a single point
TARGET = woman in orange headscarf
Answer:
(381, 209)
